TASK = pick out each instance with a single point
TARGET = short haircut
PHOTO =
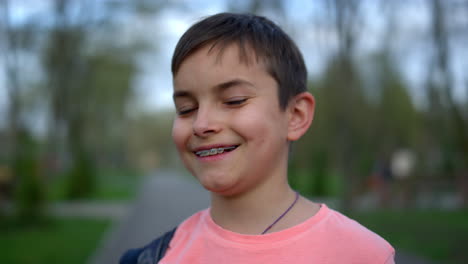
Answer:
(270, 44)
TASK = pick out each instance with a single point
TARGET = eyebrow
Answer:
(220, 87)
(232, 83)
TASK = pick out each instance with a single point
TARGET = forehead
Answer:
(217, 53)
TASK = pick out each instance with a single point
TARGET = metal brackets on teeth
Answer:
(213, 151)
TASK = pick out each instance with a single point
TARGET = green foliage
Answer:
(82, 178)
(61, 241)
(29, 190)
(111, 184)
(117, 184)
(89, 86)
(313, 184)
(397, 118)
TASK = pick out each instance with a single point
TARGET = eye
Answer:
(185, 111)
(236, 102)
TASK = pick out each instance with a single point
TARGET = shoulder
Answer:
(157, 248)
(355, 236)
(352, 229)
(193, 220)
(189, 227)
(150, 252)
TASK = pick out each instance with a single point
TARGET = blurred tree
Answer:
(396, 126)
(441, 84)
(10, 59)
(65, 66)
(344, 86)
(110, 93)
(89, 87)
(396, 122)
(396, 116)
(30, 192)
(28, 185)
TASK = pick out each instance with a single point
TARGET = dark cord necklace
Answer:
(282, 215)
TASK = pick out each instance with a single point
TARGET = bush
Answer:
(82, 178)
(29, 190)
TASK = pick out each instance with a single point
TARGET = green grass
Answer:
(59, 241)
(111, 184)
(438, 235)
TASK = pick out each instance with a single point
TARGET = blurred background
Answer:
(86, 113)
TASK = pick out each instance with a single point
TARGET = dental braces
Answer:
(213, 151)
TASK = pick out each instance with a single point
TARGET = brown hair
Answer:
(271, 45)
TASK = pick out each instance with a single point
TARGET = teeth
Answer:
(213, 151)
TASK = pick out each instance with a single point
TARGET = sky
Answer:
(153, 82)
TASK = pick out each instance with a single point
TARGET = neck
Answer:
(253, 211)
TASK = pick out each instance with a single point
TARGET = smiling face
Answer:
(229, 130)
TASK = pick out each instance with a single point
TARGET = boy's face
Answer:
(229, 130)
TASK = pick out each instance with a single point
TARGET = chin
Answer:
(221, 184)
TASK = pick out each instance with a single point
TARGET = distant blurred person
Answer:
(382, 180)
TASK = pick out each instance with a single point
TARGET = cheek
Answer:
(261, 122)
(180, 132)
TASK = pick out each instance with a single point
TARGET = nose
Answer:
(206, 122)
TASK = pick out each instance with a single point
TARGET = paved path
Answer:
(114, 211)
(165, 200)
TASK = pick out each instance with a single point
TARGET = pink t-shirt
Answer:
(327, 237)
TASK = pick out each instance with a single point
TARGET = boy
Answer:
(241, 99)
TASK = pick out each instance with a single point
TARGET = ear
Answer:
(301, 113)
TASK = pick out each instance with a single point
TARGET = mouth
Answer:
(214, 151)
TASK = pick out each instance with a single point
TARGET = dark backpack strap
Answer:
(149, 254)
(163, 245)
